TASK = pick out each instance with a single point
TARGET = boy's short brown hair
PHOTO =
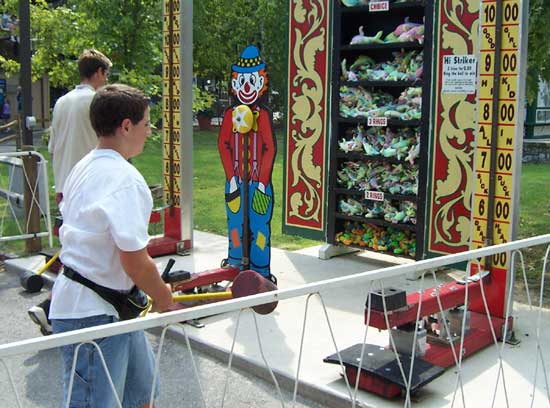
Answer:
(114, 103)
(90, 61)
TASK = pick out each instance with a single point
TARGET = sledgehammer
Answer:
(32, 281)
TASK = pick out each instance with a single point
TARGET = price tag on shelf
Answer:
(374, 195)
(377, 121)
(379, 6)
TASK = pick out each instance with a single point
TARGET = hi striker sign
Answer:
(459, 74)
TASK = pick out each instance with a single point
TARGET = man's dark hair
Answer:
(114, 103)
(90, 61)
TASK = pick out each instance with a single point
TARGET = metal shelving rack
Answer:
(346, 23)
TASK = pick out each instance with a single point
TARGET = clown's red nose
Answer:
(246, 87)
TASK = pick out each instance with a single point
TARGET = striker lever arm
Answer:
(175, 276)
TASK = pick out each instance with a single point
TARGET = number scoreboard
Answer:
(497, 158)
(176, 122)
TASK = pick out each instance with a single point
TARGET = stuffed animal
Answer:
(361, 38)
(354, 3)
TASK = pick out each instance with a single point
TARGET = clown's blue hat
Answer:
(249, 61)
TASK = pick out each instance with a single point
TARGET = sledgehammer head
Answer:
(30, 281)
(249, 283)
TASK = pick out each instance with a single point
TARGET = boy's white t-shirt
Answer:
(106, 207)
(71, 134)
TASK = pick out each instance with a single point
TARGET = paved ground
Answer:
(37, 375)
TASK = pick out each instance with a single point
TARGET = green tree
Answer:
(223, 28)
(538, 64)
(128, 31)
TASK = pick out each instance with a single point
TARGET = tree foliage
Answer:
(130, 33)
(223, 28)
(538, 64)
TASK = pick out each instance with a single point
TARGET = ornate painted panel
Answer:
(308, 115)
(453, 134)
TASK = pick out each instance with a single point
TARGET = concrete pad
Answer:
(281, 331)
(280, 335)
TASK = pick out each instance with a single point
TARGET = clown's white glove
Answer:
(261, 187)
(233, 184)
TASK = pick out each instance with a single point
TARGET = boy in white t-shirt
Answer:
(71, 138)
(106, 206)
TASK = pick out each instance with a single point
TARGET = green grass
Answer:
(208, 199)
(208, 187)
(534, 214)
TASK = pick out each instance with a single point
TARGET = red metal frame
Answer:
(451, 294)
(373, 383)
(167, 244)
(207, 278)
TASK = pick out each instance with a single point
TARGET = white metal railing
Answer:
(371, 278)
(14, 180)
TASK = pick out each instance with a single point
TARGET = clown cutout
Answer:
(246, 133)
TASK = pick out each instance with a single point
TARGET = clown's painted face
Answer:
(247, 87)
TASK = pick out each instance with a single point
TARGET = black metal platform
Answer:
(381, 362)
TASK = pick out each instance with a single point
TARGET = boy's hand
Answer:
(164, 303)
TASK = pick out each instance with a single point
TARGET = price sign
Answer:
(459, 74)
(377, 121)
(374, 195)
(379, 6)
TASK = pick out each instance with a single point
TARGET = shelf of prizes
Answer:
(379, 125)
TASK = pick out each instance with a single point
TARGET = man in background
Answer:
(71, 138)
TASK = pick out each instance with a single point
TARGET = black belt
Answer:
(128, 305)
(108, 294)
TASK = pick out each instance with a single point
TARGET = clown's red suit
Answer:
(249, 82)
